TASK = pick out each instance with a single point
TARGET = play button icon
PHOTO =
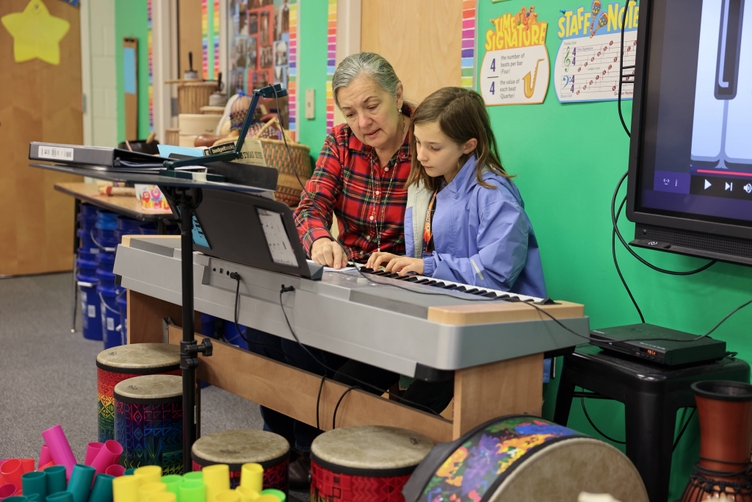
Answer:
(707, 184)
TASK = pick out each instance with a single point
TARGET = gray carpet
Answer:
(48, 375)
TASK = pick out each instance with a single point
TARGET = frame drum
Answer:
(149, 422)
(516, 458)
(238, 447)
(365, 463)
(126, 361)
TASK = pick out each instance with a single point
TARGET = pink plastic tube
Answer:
(109, 454)
(92, 449)
(7, 490)
(44, 456)
(59, 448)
(11, 470)
(116, 470)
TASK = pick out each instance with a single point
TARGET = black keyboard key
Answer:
(461, 288)
(366, 270)
(449, 286)
(489, 294)
(412, 279)
(423, 281)
(472, 291)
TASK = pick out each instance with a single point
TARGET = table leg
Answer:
(482, 393)
(76, 210)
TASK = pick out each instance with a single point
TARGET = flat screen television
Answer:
(690, 165)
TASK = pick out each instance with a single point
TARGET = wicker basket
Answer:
(289, 185)
(172, 136)
(193, 95)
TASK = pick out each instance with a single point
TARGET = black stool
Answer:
(651, 395)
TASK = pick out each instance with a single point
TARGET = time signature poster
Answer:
(515, 68)
(587, 63)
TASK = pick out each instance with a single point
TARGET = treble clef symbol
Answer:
(567, 61)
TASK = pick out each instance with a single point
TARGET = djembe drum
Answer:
(243, 446)
(364, 463)
(127, 361)
(725, 412)
(149, 422)
(517, 458)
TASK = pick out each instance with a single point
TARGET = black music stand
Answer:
(185, 195)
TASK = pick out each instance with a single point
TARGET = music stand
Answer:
(186, 195)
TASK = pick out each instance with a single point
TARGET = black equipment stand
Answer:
(186, 200)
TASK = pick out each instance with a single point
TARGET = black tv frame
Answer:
(679, 233)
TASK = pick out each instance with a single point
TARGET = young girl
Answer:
(465, 220)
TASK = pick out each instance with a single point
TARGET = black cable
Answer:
(336, 407)
(582, 402)
(618, 268)
(318, 400)
(236, 276)
(684, 428)
(286, 289)
(614, 224)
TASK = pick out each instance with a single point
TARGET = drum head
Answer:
(149, 388)
(371, 447)
(139, 357)
(237, 447)
(562, 470)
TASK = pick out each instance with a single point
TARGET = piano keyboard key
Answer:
(454, 286)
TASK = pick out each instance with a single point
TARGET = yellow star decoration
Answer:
(36, 34)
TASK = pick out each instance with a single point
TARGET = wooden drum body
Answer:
(238, 447)
(149, 422)
(518, 458)
(365, 463)
(127, 361)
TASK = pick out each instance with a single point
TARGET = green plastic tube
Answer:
(60, 496)
(102, 489)
(35, 482)
(80, 482)
(277, 493)
(56, 481)
(192, 491)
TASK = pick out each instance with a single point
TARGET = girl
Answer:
(465, 219)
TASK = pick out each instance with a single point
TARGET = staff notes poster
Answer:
(587, 63)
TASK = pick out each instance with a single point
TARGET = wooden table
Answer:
(127, 205)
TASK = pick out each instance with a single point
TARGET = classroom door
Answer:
(422, 39)
(39, 102)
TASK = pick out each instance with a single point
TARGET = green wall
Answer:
(131, 20)
(569, 158)
(312, 54)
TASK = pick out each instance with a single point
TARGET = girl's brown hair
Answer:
(461, 115)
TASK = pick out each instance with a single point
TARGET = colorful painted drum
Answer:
(523, 457)
(238, 447)
(365, 463)
(126, 361)
(149, 422)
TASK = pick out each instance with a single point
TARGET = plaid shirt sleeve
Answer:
(369, 202)
(313, 215)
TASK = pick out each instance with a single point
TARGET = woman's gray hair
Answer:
(369, 64)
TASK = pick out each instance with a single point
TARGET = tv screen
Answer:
(690, 170)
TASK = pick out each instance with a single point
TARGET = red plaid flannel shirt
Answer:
(345, 184)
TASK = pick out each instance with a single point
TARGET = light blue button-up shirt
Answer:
(481, 236)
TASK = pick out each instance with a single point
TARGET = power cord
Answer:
(336, 407)
(286, 289)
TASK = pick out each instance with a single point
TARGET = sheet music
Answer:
(276, 238)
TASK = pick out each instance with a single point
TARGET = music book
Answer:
(96, 157)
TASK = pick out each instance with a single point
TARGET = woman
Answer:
(359, 177)
(361, 173)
